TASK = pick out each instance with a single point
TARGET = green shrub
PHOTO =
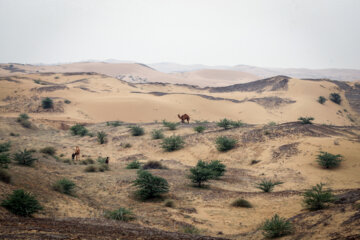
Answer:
(267, 185)
(237, 124)
(169, 203)
(270, 124)
(153, 165)
(276, 227)
(101, 137)
(316, 197)
(328, 160)
(199, 129)
(48, 150)
(47, 103)
(137, 131)
(5, 176)
(306, 120)
(200, 174)
(21, 203)
(321, 100)
(79, 130)
(23, 116)
(87, 161)
(91, 168)
(4, 160)
(217, 168)
(241, 203)
(157, 134)
(150, 186)
(23, 119)
(114, 124)
(24, 158)
(101, 160)
(335, 97)
(122, 214)
(190, 230)
(170, 125)
(67, 101)
(134, 165)
(224, 144)
(172, 143)
(65, 186)
(224, 123)
(4, 147)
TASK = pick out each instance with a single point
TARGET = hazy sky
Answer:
(268, 33)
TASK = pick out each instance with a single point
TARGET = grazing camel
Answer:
(184, 117)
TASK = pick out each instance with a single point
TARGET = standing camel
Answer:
(184, 117)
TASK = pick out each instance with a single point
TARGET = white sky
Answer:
(268, 33)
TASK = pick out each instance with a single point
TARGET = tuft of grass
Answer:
(114, 123)
(137, 131)
(328, 160)
(241, 203)
(169, 204)
(172, 143)
(4, 160)
(224, 143)
(79, 130)
(24, 158)
(199, 129)
(153, 165)
(21, 203)
(121, 214)
(157, 134)
(4, 147)
(306, 120)
(270, 124)
(170, 125)
(317, 197)
(47, 103)
(48, 150)
(276, 227)
(101, 136)
(134, 165)
(190, 230)
(267, 185)
(64, 186)
(5, 176)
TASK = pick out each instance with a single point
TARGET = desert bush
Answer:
(153, 165)
(121, 214)
(150, 186)
(190, 230)
(91, 168)
(321, 100)
(137, 131)
(4, 160)
(4, 147)
(328, 160)
(14, 134)
(335, 97)
(134, 165)
(48, 150)
(199, 174)
(272, 123)
(267, 185)
(101, 136)
(199, 129)
(316, 197)
(24, 158)
(101, 160)
(23, 116)
(172, 143)
(224, 123)
(237, 124)
(170, 125)
(127, 145)
(217, 168)
(47, 103)
(224, 143)
(114, 123)
(5, 176)
(169, 203)
(79, 130)
(306, 120)
(65, 186)
(87, 161)
(241, 203)
(67, 101)
(157, 134)
(276, 227)
(103, 167)
(25, 123)
(21, 203)
(23, 119)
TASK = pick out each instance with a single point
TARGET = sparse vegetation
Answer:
(134, 165)
(114, 123)
(153, 165)
(267, 185)
(336, 98)
(316, 197)
(226, 123)
(5, 176)
(67, 101)
(4, 147)
(47, 103)
(23, 119)
(306, 120)
(170, 125)
(137, 131)
(121, 214)
(48, 150)
(224, 143)
(64, 186)
(276, 227)
(321, 100)
(79, 130)
(199, 129)
(87, 161)
(4, 160)
(150, 186)
(127, 145)
(270, 124)
(91, 168)
(169, 203)
(101, 136)
(21, 203)
(24, 158)
(328, 160)
(172, 143)
(14, 134)
(157, 134)
(241, 203)
(190, 230)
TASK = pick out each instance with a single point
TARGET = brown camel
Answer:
(184, 117)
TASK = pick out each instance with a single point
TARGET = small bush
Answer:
(321, 100)
(316, 197)
(47, 103)
(150, 186)
(137, 131)
(67, 101)
(101, 160)
(91, 168)
(4, 147)
(4, 160)
(199, 175)
(267, 185)
(157, 134)
(48, 150)
(23, 119)
(237, 124)
(270, 124)
(170, 125)
(306, 120)
(114, 124)
(134, 165)
(122, 214)
(328, 160)
(224, 123)
(65, 186)
(241, 203)
(21, 203)
(190, 230)
(14, 134)
(276, 227)
(254, 161)
(199, 129)
(103, 167)
(24, 158)
(79, 130)
(169, 203)
(23, 116)
(25, 123)
(172, 143)
(127, 145)
(5, 176)
(87, 161)
(224, 144)
(101, 136)
(336, 98)
(153, 165)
